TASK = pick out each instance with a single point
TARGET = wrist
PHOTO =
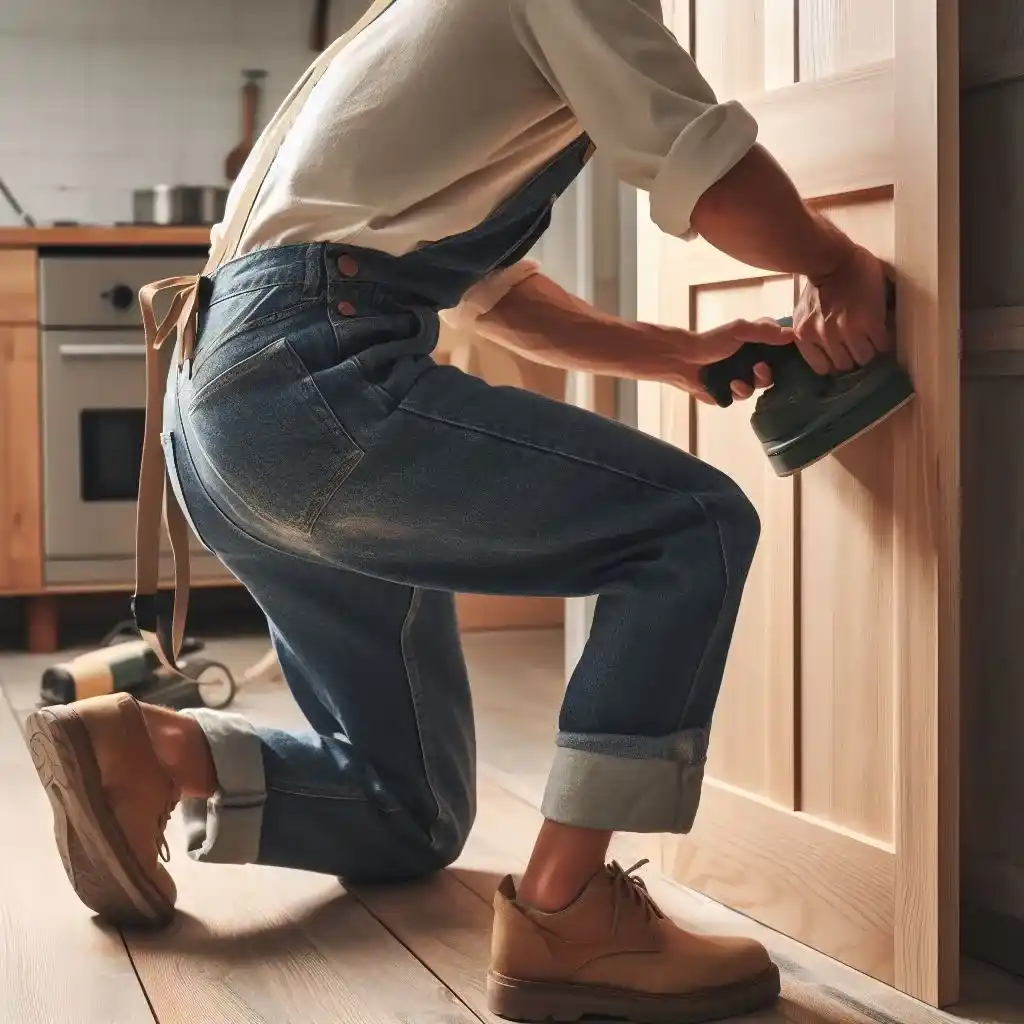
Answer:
(672, 351)
(833, 252)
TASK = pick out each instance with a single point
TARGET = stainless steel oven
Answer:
(93, 413)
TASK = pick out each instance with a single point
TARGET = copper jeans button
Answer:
(346, 309)
(348, 266)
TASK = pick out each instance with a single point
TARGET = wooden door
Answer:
(830, 811)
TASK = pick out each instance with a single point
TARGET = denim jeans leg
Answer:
(496, 490)
(353, 497)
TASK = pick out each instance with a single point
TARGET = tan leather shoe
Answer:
(111, 799)
(613, 953)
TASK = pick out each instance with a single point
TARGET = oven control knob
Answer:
(120, 296)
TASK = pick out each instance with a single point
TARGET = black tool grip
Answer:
(718, 377)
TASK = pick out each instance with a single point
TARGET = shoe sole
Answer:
(539, 1002)
(99, 862)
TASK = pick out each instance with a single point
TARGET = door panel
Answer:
(841, 35)
(830, 807)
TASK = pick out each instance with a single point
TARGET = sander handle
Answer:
(717, 377)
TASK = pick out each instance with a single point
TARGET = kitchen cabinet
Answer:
(831, 806)
(25, 571)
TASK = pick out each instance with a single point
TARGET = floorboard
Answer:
(56, 963)
(266, 946)
(258, 944)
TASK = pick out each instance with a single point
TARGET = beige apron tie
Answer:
(164, 632)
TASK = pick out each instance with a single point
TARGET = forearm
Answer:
(755, 214)
(544, 323)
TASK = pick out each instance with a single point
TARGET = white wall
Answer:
(98, 97)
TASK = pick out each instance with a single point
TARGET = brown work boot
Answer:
(111, 798)
(613, 954)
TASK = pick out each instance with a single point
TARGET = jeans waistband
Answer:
(412, 280)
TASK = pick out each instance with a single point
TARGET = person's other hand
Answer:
(706, 347)
(840, 320)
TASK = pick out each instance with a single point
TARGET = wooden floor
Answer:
(268, 946)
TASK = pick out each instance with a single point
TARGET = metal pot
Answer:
(180, 204)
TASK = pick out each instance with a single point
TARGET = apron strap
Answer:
(161, 620)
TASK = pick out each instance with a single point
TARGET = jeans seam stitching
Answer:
(415, 692)
(713, 634)
(318, 794)
(537, 446)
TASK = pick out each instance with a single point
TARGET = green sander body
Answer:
(124, 665)
(805, 416)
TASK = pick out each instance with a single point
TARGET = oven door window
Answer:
(111, 453)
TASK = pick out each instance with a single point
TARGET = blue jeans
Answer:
(351, 484)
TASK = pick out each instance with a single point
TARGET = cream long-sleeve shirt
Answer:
(442, 108)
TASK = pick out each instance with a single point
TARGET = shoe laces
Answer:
(631, 891)
(163, 850)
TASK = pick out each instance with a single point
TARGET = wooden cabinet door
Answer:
(830, 811)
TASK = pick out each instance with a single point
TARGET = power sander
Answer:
(805, 416)
(124, 663)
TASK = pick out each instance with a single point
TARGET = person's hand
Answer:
(840, 320)
(702, 348)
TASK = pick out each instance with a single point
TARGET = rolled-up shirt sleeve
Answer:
(639, 96)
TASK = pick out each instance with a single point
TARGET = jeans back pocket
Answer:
(272, 440)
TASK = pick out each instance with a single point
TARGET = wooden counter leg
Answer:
(41, 617)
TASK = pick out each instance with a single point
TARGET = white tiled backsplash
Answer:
(98, 97)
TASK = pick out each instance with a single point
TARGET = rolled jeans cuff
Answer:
(225, 828)
(627, 783)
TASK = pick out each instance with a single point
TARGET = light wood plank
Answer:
(859, 157)
(21, 545)
(56, 962)
(18, 288)
(265, 944)
(754, 731)
(847, 687)
(795, 874)
(35, 238)
(927, 496)
(447, 922)
(729, 45)
(781, 63)
(838, 35)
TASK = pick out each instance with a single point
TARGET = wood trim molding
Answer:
(978, 365)
(997, 329)
(858, 158)
(992, 937)
(926, 149)
(781, 43)
(979, 70)
(18, 287)
(841, 902)
(34, 238)
(21, 544)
